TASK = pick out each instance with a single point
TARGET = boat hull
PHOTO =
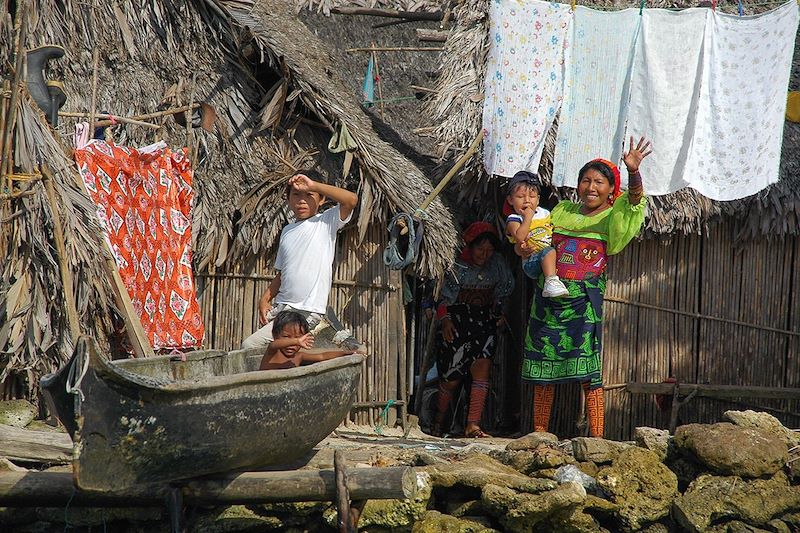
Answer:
(159, 419)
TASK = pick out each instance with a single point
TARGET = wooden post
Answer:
(61, 250)
(54, 489)
(6, 166)
(189, 113)
(380, 84)
(342, 494)
(93, 107)
(427, 359)
(136, 335)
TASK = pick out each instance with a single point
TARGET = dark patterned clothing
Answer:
(472, 297)
(475, 339)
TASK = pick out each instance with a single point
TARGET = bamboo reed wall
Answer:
(725, 284)
(367, 298)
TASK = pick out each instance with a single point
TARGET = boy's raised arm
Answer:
(347, 200)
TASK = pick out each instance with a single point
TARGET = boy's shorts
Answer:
(532, 265)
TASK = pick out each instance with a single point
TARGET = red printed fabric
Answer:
(144, 202)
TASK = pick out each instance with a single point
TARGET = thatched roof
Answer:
(154, 54)
(456, 110)
(325, 6)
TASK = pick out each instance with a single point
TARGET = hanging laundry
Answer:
(665, 89)
(524, 81)
(144, 202)
(736, 149)
(596, 90)
(368, 88)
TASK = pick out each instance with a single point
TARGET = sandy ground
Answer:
(368, 446)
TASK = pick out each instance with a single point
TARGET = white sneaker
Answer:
(554, 288)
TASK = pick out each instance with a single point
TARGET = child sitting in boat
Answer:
(305, 253)
(291, 342)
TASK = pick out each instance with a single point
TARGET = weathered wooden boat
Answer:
(162, 419)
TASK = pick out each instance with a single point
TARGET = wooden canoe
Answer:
(161, 419)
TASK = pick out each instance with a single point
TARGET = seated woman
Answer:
(291, 342)
(473, 295)
(563, 343)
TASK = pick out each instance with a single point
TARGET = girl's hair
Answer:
(486, 236)
(287, 318)
(600, 167)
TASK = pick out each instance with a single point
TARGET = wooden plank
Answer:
(36, 446)
(715, 391)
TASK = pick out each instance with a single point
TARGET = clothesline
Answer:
(618, 8)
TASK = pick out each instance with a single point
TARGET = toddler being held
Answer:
(528, 225)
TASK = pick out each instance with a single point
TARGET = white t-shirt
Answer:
(305, 260)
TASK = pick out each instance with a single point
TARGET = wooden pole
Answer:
(396, 49)
(93, 107)
(380, 84)
(389, 13)
(427, 359)
(61, 250)
(189, 111)
(4, 111)
(99, 123)
(342, 496)
(717, 391)
(452, 172)
(6, 166)
(53, 489)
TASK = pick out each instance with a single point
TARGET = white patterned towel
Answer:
(524, 81)
(592, 119)
(664, 93)
(736, 150)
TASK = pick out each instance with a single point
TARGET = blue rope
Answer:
(741, 9)
(392, 256)
(383, 416)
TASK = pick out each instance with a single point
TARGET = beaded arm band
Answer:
(635, 188)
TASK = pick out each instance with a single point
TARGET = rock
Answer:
(734, 450)
(588, 468)
(479, 470)
(234, 519)
(599, 451)
(425, 458)
(17, 413)
(570, 521)
(568, 473)
(600, 506)
(641, 485)
(8, 466)
(293, 513)
(531, 441)
(389, 514)
(543, 457)
(519, 513)
(468, 508)
(655, 440)
(735, 526)
(754, 419)
(436, 522)
(41, 425)
(686, 468)
(755, 501)
(94, 516)
(777, 526)
(658, 527)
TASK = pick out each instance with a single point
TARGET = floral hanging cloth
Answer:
(144, 202)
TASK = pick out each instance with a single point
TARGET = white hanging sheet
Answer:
(665, 92)
(596, 94)
(524, 81)
(736, 148)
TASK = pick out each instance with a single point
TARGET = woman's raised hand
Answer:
(634, 156)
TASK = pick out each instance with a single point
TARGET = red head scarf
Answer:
(473, 231)
(615, 172)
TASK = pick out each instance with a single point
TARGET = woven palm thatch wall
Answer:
(691, 301)
(236, 55)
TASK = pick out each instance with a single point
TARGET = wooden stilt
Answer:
(342, 494)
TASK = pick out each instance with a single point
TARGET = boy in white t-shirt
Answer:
(305, 254)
